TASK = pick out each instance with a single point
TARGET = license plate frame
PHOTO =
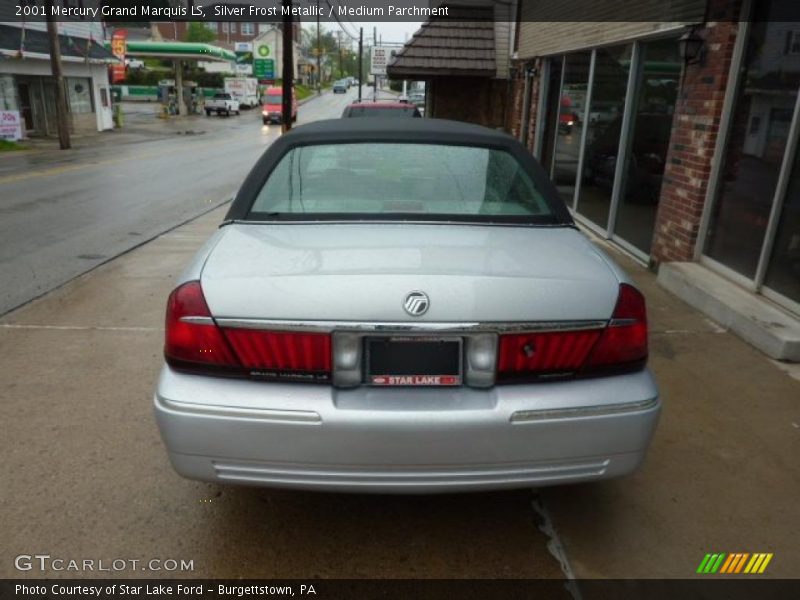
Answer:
(446, 370)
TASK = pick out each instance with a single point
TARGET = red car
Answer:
(272, 108)
(381, 109)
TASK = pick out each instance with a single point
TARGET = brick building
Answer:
(464, 61)
(674, 136)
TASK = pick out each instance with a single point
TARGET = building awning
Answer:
(35, 44)
(461, 44)
(178, 50)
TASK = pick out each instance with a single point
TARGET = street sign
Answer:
(263, 61)
(379, 58)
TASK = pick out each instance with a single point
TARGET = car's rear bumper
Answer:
(405, 440)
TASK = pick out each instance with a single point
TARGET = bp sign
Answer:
(263, 63)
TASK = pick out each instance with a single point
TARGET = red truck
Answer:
(272, 107)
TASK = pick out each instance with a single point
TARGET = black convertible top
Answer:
(392, 130)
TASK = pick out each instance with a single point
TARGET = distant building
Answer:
(27, 86)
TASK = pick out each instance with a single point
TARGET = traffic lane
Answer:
(86, 475)
(63, 214)
(62, 225)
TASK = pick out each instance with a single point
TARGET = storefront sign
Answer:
(119, 49)
(10, 125)
(379, 58)
(263, 62)
(244, 58)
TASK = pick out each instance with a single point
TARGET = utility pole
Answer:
(62, 116)
(288, 66)
(341, 68)
(360, 60)
(319, 56)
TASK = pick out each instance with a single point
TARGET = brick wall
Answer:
(478, 100)
(517, 106)
(694, 136)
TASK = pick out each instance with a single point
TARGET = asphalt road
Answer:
(63, 213)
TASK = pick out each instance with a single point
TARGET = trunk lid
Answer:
(363, 272)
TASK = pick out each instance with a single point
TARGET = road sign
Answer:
(379, 58)
(263, 61)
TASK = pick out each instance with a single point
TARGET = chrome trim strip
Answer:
(236, 412)
(405, 326)
(527, 416)
(622, 322)
(198, 320)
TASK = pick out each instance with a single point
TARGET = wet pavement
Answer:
(64, 212)
(85, 476)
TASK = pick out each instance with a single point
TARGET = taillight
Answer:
(194, 342)
(284, 354)
(624, 341)
(549, 353)
(621, 345)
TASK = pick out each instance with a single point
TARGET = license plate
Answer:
(413, 361)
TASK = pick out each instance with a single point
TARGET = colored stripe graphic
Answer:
(703, 563)
(734, 563)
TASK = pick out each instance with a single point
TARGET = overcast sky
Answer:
(388, 32)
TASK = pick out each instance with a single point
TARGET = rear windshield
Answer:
(382, 181)
(368, 111)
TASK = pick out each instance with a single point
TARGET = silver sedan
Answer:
(403, 306)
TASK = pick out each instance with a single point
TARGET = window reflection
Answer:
(603, 131)
(572, 103)
(656, 92)
(756, 144)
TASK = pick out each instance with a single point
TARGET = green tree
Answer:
(198, 32)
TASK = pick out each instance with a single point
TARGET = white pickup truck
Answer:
(222, 104)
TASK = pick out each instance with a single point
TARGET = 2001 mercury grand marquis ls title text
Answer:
(403, 307)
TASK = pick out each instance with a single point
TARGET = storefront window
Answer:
(758, 135)
(551, 111)
(79, 92)
(572, 104)
(603, 131)
(8, 93)
(651, 127)
(783, 273)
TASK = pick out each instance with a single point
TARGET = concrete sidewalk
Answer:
(722, 475)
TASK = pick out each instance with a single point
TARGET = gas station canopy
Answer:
(190, 51)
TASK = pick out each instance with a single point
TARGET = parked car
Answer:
(222, 103)
(381, 109)
(272, 107)
(403, 306)
(340, 87)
